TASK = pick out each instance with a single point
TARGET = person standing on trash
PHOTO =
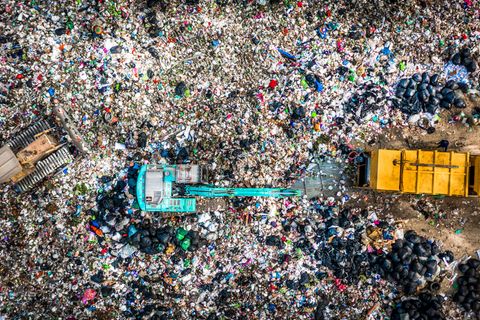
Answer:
(443, 144)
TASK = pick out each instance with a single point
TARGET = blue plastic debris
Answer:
(51, 92)
(132, 230)
(95, 223)
(286, 54)
(322, 33)
(318, 86)
(386, 51)
(456, 73)
(271, 307)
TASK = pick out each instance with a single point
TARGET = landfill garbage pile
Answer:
(412, 262)
(426, 306)
(468, 294)
(257, 90)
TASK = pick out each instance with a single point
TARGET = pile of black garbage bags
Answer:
(464, 58)
(468, 294)
(366, 99)
(346, 257)
(424, 93)
(412, 262)
(426, 307)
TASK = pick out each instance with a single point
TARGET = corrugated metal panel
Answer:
(374, 169)
(388, 171)
(476, 182)
(9, 165)
(433, 172)
(418, 171)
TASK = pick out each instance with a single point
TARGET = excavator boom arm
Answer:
(216, 192)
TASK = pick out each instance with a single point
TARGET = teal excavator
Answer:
(173, 188)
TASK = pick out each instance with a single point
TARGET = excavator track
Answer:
(27, 136)
(46, 167)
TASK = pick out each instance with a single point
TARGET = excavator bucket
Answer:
(68, 125)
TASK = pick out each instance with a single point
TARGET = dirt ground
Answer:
(454, 221)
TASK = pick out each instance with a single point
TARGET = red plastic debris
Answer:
(273, 83)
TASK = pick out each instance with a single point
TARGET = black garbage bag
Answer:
(425, 77)
(142, 140)
(310, 79)
(180, 89)
(465, 53)
(273, 240)
(473, 263)
(457, 59)
(434, 79)
(403, 83)
(106, 291)
(452, 84)
(459, 103)
(60, 31)
(298, 113)
(470, 65)
(153, 52)
(98, 277)
(183, 154)
(417, 77)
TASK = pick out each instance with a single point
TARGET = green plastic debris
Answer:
(81, 188)
(304, 83)
(402, 65)
(70, 25)
(314, 114)
(161, 247)
(185, 244)
(458, 231)
(181, 233)
(186, 263)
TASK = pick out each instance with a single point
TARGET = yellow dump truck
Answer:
(420, 172)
